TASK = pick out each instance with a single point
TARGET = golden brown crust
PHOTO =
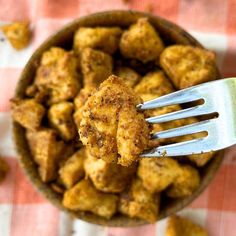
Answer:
(73, 169)
(85, 197)
(80, 101)
(46, 151)
(108, 177)
(57, 75)
(132, 135)
(130, 76)
(102, 128)
(187, 65)
(105, 39)
(156, 83)
(27, 112)
(60, 118)
(186, 183)
(141, 41)
(158, 173)
(18, 34)
(178, 226)
(140, 203)
(96, 66)
(4, 168)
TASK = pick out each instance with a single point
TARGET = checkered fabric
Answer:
(23, 212)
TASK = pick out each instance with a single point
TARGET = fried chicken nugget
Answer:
(60, 118)
(4, 168)
(179, 226)
(156, 83)
(105, 39)
(57, 75)
(18, 34)
(108, 177)
(73, 169)
(111, 126)
(96, 66)
(130, 76)
(139, 202)
(186, 183)
(141, 41)
(80, 101)
(187, 65)
(46, 151)
(158, 173)
(85, 197)
(27, 112)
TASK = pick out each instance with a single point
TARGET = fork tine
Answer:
(185, 130)
(182, 96)
(181, 149)
(185, 113)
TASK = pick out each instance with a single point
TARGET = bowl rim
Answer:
(43, 188)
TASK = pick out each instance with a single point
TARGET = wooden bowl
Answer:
(171, 33)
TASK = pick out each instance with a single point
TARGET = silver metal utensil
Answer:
(219, 97)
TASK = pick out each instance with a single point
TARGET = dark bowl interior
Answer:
(172, 34)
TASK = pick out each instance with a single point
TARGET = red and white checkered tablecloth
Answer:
(23, 212)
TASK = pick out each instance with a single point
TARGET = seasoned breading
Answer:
(187, 65)
(85, 197)
(132, 134)
(96, 66)
(27, 112)
(18, 34)
(108, 177)
(105, 39)
(46, 151)
(179, 226)
(158, 173)
(60, 118)
(111, 126)
(138, 202)
(39, 96)
(154, 82)
(57, 75)
(130, 76)
(141, 41)
(80, 101)
(73, 169)
(186, 183)
(4, 168)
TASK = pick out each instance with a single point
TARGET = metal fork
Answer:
(219, 97)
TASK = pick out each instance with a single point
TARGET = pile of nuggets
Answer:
(84, 130)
